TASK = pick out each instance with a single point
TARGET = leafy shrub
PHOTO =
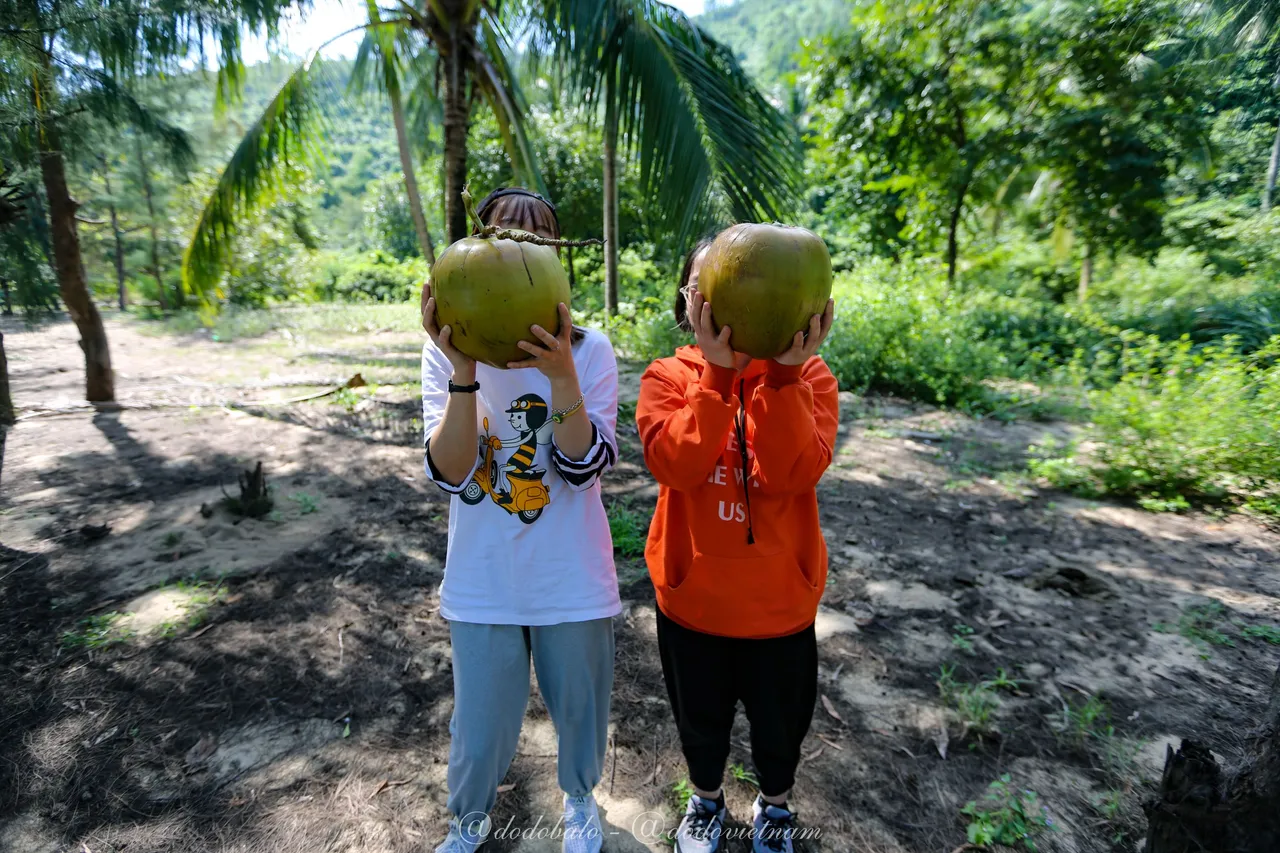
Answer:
(897, 330)
(379, 277)
(1006, 817)
(643, 331)
(1182, 423)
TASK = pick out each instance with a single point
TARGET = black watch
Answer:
(463, 389)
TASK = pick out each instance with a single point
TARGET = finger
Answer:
(521, 365)
(533, 349)
(545, 336)
(444, 337)
(708, 326)
(723, 337)
(566, 323)
(429, 318)
(814, 339)
(797, 342)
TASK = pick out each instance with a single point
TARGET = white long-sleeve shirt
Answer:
(529, 540)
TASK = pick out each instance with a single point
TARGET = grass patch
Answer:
(1006, 817)
(1201, 624)
(96, 632)
(974, 704)
(235, 324)
(306, 503)
(743, 775)
(629, 529)
(1266, 633)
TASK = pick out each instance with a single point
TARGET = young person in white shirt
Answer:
(529, 572)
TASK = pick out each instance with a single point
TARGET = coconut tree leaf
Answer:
(285, 136)
(709, 145)
(501, 89)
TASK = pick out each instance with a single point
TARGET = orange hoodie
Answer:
(726, 560)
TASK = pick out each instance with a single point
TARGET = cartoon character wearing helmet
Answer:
(515, 485)
(529, 416)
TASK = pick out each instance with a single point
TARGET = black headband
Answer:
(506, 191)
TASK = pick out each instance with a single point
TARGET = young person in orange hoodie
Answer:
(736, 553)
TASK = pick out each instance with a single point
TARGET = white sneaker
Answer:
(464, 839)
(582, 833)
(699, 831)
(773, 827)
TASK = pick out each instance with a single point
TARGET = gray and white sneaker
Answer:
(700, 829)
(464, 839)
(773, 827)
(582, 832)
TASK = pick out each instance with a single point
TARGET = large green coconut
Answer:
(491, 291)
(764, 282)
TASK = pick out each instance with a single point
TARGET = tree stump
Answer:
(1201, 808)
(255, 496)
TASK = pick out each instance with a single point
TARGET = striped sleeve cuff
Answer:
(581, 473)
(438, 478)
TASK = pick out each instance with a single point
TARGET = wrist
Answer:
(567, 384)
(464, 375)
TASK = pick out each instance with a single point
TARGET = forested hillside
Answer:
(767, 36)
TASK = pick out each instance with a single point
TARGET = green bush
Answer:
(899, 331)
(379, 277)
(1182, 422)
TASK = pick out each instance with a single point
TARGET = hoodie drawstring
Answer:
(740, 425)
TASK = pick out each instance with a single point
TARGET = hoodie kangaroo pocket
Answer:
(738, 596)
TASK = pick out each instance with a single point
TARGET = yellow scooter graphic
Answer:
(528, 494)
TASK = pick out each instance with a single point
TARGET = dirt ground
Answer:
(177, 679)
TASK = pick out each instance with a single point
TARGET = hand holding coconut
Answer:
(554, 358)
(464, 367)
(715, 346)
(805, 346)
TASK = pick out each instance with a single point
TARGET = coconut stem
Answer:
(488, 231)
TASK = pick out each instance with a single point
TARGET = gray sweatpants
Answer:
(574, 662)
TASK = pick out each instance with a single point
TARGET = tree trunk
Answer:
(115, 231)
(67, 261)
(953, 228)
(156, 269)
(573, 278)
(1201, 809)
(610, 198)
(411, 179)
(1269, 190)
(1086, 273)
(456, 117)
(6, 402)
(7, 287)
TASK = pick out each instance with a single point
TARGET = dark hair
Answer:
(517, 207)
(681, 309)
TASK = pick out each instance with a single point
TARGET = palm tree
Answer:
(61, 62)
(707, 141)
(710, 146)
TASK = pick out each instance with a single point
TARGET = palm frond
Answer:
(284, 136)
(501, 88)
(704, 136)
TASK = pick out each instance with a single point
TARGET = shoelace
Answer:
(701, 819)
(576, 818)
(775, 831)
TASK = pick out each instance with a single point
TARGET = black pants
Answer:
(777, 681)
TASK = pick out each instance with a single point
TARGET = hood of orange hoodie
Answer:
(692, 356)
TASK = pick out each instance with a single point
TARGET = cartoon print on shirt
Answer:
(515, 485)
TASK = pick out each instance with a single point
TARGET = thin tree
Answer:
(69, 60)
